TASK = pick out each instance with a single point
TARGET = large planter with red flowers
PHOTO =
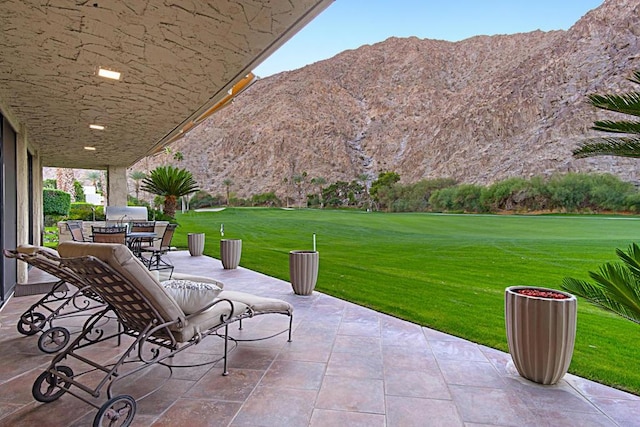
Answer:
(541, 331)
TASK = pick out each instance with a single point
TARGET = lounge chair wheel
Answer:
(49, 387)
(118, 411)
(54, 340)
(31, 323)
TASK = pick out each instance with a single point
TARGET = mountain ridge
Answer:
(477, 110)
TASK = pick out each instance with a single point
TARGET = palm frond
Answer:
(626, 103)
(617, 126)
(597, 297)
(616, 287)
(631, 258)
(635, 78)
(169, 181)
(609, 146)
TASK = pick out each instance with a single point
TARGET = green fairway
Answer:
(447, 272)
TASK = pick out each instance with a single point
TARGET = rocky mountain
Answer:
(478, 110)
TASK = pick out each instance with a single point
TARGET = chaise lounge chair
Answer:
(46, 316)
(158, 326)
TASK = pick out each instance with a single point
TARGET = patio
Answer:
(347, 365)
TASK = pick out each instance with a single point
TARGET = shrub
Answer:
(85, 212)
(413, 197)
(516, 194)
(132, 201)
(202, 199)
(461, 198)
(158, 215)
(266, 199)
(632, 202)
(56, 202)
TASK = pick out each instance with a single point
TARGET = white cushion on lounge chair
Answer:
(191, 296)
(258, 304)
(163, 275)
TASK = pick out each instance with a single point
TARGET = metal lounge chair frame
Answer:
(56, 305)
(157, 326)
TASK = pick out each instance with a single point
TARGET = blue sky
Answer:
(349, 24)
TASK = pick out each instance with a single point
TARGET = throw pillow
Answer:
(191, 296)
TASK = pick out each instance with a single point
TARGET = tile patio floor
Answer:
(347, 366)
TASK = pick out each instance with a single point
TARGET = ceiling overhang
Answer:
(179, 61)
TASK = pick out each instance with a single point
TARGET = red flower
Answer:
(541, 294)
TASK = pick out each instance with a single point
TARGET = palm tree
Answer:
(227, 183)
(616, 287)
(171, 183)
(65, 178)
(300, 184)
(319, 182)
(94, 177)
(137, 176)
(626, 145)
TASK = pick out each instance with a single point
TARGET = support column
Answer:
(22, 201)
(116, 186)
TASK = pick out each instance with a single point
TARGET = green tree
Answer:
(318, 182)
(300, 182)
(227, 183)
(78, 192)
(381, 188)
(171, 183)
(137, 176)
(626, 145)
(616, 287)
(96, 180)
(364, 179)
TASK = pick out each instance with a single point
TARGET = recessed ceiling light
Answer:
(108, 74)
(97, 127)
(90, 148)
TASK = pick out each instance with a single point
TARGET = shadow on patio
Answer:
(347, 365)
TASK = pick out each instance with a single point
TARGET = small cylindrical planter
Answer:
(303, 271)
(195, 242)
(230, 252)
(541, 333)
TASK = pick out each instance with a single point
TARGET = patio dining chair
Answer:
(115, 234)
(144, 227)
(76, 230)
(155, 260)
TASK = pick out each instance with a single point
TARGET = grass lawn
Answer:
(447, 272)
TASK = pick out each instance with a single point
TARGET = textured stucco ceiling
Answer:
(177, 58)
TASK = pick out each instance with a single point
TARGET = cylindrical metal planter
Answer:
(195, 243)
(303, 271)
(541, 333)
(230, 252)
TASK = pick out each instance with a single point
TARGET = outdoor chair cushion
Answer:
(191, 296)
(259, 305)
(30, 250)
(162, 275)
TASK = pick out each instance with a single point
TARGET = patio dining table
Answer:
(135, 239)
